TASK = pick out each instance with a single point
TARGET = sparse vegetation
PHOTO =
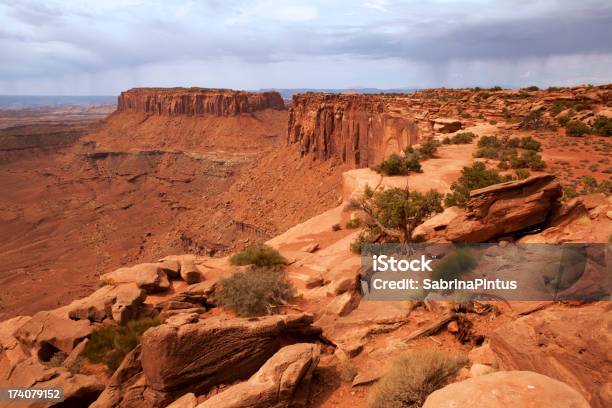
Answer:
(396, 212)
(428, 149)
(396, 165)
(347, 370)
(577, 128)
(455, 265)
(533, 121)
(354, 223)
(336, 227)
(460, 138)
(472, 177)
(602, 126)
(412, 377)
(255, 292)
(110, 344)
(260, 255)
(529, 159)
(522, 174)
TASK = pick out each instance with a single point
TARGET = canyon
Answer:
(136, 216)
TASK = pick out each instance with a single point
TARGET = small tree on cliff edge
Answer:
(397, 212)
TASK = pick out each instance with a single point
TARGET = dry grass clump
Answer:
(255, 292)
(260, 255)
(412, 377)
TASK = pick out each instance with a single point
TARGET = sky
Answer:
(92, 47)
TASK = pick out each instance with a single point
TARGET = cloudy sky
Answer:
(99, 47)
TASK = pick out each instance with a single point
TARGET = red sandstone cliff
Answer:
(360, 130)
(196, 101)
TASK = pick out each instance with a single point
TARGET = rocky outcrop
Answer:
(196, 101)
(283, 381)
(496, 211)
(360, 130)
(446, 125)
(568, 344)
(507, 389)
(150, 277)
(199, 355)
(119, 303)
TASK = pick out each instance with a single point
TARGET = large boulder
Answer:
(151, 277)
(507, 389)
(496, 211)
(120, 303)
(569, 344)
(187, 269)
(127, 387)
(446, 125)
(48, 333)
(197, 356)
(282, 381)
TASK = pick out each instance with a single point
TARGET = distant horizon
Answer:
(315, 89)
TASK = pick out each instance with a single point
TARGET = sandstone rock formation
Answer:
(196, 101)
(151, 277)
(570, 345)
(507, 389)
(215, 351)
(277, 383)
(117, 302)
(360, 130)
(496, 211)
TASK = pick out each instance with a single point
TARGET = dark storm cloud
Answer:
(43, 40)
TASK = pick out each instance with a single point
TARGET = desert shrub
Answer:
(472, 177)
(489, 141)
(463, 138)
(529, 143)
(532, 121)
(522, 174)
(396, 208)
(110, 344)
(563, 120)
(446, 140)
(487, 153)
(258, 254)
(396, 165)
(602, 126)
(576, 128)
(569, 193)
(529, 159)
(336, 227)
(353, 223)
(503, 165)
(531, 88)
(254, 292)
(428, 149)
(513, 142)
(455, 265)
(553, 89)
(412, 377)
(590, 185)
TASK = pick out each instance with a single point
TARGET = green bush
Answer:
(110, 344)
(522, 174)
(254, 292)
(487, 153)
(602, 126)
(529, 159)
(353, 223)
(258, 254)
(532, 121)
(412, 377)
(396, 165)
(576, 128)
(428, 149)
(489, 141)
(472, 177)
(529, 143)
(395, 207)
(563, 120)
(531, 88)
(462, 138)
(454, 266)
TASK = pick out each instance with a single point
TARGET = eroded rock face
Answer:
(507, 389)
(49, 333)
(496, 211)
(151, 277)
(215, 351)
(120, 303)
(280, 382)
(196, 101)
(360, 130)
(569, 344)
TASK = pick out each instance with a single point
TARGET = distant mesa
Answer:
(197, 101)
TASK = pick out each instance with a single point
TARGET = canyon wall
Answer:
(360, 130)
(196, 101)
